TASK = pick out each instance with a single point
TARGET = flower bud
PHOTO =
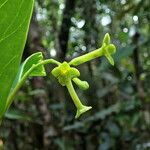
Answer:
(83, 85)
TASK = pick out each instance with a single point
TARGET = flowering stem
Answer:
(21, 82)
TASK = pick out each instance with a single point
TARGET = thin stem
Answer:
(73, 95)
(21, 82)
(48, 61)
(87, 57)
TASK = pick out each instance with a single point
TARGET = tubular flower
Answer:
(64, 73)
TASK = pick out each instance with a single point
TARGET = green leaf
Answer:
(17, 115)
(27, 64)
(15, 17)
(33, 60)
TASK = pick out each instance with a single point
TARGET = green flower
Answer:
(81, 108)
(108, 49)
(64, 73)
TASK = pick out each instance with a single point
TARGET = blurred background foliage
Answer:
(42, 116)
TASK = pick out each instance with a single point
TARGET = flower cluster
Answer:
(66, 74)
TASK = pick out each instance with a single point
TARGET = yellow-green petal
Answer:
(55, 72)
(106, 39)
(73, 73)
(110, 59)
(111, 48)
(82, 110)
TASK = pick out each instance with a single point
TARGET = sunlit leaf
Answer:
(14, 23)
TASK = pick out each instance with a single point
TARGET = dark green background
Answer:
(42, 116)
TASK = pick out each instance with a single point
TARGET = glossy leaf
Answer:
(15, 16)
(33, 60)
(27, 64)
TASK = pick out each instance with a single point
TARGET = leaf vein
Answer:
(3, 36)
(7, 65)
(3, 3)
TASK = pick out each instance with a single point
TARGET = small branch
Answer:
(18, 86)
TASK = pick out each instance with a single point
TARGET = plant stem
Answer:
(21, 82)
(48, 61)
